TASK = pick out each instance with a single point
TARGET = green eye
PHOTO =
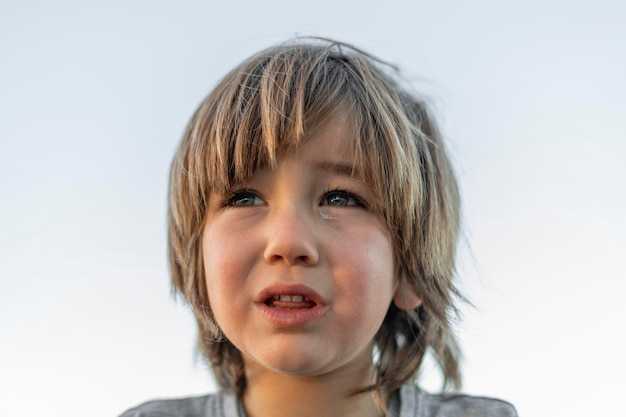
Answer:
(244, 198)
(340, 198)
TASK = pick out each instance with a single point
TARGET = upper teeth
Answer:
(290, 298)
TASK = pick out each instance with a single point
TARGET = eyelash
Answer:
(229, 201)
(359, 202)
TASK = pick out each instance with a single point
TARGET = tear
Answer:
(325, 215)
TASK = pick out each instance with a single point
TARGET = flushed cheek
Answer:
(366, 278)
(368, 249)
(221, 267)
(226, 269)
(226, 248)
(229, 304)
(367, 290)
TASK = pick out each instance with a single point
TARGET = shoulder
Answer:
(212, 405)
(417, 403)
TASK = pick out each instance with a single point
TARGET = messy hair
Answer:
(270, 104)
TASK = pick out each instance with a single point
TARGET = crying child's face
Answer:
(299, 264)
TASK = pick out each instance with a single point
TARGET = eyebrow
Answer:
(336, 168)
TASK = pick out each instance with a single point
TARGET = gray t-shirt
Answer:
(411, 402)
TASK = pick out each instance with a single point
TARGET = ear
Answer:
(405, 297)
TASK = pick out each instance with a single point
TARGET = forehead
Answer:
(334, 136)
(332, 145)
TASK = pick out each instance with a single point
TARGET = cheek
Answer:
(223, 267)
(368, 271)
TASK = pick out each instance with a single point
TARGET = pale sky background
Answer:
(94, 96)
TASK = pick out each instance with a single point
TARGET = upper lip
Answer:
(289, 289)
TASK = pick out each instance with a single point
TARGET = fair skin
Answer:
(300, 273)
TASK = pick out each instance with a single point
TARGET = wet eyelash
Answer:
(358, 200)
(228, 201)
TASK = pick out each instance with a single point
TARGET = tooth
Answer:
(290, 298)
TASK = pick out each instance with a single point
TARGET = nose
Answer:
(291, 239)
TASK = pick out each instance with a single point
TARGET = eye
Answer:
(341, 198)
(243, 198)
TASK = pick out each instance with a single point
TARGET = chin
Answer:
(296, 361)
(297, 364)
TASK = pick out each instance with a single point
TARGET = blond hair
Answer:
(267, 106)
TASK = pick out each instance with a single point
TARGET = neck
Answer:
(271, 394)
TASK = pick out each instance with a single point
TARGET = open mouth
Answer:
(290, 302)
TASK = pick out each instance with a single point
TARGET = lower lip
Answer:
(290, 318)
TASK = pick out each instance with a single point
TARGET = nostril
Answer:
(291, 239)
(302, 253)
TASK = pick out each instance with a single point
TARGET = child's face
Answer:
(300, 270)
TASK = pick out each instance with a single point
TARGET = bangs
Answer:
(268, 105)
